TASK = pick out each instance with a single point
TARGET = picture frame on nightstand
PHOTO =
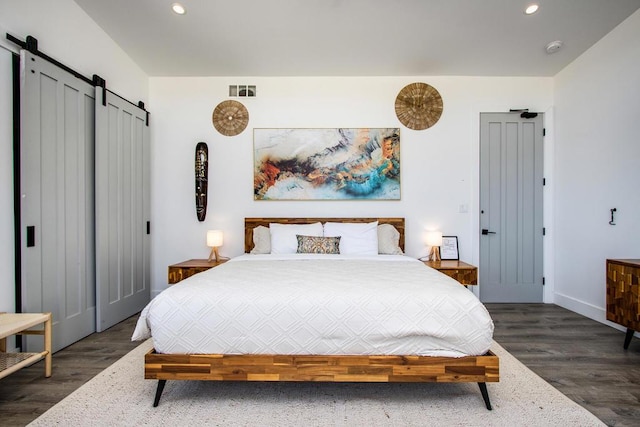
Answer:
(449, 248)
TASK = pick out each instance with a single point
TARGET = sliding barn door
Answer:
(122, 209)
(57, 200)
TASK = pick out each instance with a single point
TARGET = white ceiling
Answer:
(355, 37)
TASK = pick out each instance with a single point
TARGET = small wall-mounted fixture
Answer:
(613, 221)
(214, 241)
(554, 46)
(531, 9)
(242, 90)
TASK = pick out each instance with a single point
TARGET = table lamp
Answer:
(214, 241)
(434, 239)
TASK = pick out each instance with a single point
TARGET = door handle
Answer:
(485, 232)
(31, 236)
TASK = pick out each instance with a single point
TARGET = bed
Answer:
(331, 328)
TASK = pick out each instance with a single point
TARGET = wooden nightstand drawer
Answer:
(464, 273)
(181, 271)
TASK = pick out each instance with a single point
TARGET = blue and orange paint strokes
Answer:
(327, 164)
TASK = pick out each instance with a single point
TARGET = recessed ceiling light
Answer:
(531, 9)
(178, 8)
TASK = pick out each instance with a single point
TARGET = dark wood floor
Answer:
(580, 357)
(26, 394)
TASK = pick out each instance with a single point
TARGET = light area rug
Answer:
(120, 396)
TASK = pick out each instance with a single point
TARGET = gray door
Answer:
(122, 209)
(511, 153)
(57, 205)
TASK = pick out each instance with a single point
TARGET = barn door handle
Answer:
(31, 236)
(485, 232)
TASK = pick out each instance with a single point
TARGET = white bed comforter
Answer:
(266, 304)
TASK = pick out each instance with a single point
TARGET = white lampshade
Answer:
(214, 238)
(434, 238)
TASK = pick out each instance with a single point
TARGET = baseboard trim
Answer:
(591, 311)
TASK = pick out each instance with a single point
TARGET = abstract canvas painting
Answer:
(327, 164)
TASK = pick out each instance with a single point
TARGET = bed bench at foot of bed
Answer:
(330, 368)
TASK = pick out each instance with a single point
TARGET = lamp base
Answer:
(434, 255)
(214, 253)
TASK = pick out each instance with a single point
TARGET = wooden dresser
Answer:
(623, 294)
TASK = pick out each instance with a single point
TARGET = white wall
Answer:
(439, 168)
(597, 167)
(67, 34)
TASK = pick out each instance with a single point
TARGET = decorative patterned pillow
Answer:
(318, 245)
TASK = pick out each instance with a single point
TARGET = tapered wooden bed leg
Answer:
(161, 384)
(485, 395)
(627, 338)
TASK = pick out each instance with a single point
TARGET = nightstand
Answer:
(181, 271)
(464, 273)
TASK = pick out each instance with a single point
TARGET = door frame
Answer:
(17, 225)
(548, 293)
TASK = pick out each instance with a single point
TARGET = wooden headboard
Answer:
(251, 223)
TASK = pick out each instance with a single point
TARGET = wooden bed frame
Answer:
(329, 368)
(251, 223)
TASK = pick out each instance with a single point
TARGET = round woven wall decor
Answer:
(418, 106)
(230, 118)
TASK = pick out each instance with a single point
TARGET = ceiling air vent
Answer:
(242, 90)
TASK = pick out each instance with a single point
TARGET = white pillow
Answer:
(388, 240)
(283, 236)
(261, 240)
(356, 238)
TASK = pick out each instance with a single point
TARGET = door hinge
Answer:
(544, 181)
(544, 131)
(542, 280)
(544, 231)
